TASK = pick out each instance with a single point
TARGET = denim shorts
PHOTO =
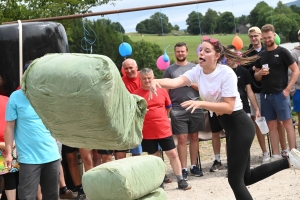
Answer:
(137, 150)
(296, 101)
(275, 106)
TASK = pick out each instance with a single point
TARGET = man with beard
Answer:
(184, 123)
(254, 34)
(272, 71)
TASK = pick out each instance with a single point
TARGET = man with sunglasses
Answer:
(254, 34)
(184, 123)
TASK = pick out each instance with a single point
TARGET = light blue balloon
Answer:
(166, 57)
(125, 49)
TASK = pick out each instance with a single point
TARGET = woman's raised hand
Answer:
(153, 89)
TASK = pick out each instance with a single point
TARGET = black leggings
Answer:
(240, 132)
(11, 182)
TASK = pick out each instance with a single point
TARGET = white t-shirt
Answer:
(222, 82)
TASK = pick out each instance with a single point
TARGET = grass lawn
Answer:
(191, 40)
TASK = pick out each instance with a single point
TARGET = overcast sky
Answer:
(177, 15)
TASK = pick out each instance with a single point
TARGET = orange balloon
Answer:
(123, 71)
(237, 42)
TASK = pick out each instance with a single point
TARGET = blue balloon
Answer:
(166, 57)
(125, 49)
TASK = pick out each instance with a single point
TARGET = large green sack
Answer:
(82, 100)
(158, 194)
(124, 179)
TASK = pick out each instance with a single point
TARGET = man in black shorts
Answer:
(72, 159)
(184, 123)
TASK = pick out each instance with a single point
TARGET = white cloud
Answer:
(177, 15)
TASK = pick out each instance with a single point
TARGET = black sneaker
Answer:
(162, 186)
(195, 171)
(81, 197)
(167, 179)
(216, 166)
(183, 185)
(185, 174)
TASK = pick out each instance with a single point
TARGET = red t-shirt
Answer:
(3, 102)
(132, 83)
(156, 123)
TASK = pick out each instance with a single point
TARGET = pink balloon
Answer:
(161, 64)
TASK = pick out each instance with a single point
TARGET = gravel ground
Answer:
(283, 185)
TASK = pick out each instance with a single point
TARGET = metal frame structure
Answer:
(114, 11)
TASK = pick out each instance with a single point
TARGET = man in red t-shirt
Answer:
(132, 75)
(132, 82)
(157, 129)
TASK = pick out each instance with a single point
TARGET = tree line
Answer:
(109, 35)
(285, 19)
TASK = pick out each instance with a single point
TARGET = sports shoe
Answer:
(68, 195)
(185, 174)
(183, 185)
(167, 179)
(266, 158)
(284, 153)
(275, 159)
(195, 171)
(294, 157)
(81, 197)
(162, 186)
(216, 166)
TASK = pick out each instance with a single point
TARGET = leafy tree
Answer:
(209, 22)
(159, 22)
(286, 22)
(243, 20)
(146, 54)
(295, 9)
(107, 39)
(260, 15)
(144, 27)
(12, 10)
(141, 28)
(226, 22)
(117, 27)
(176, 27)
(193, 20)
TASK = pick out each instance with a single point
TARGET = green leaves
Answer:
(193, 21)
(29, 9)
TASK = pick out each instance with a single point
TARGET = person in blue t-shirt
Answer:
(38, 154)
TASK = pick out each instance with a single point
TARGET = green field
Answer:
(191, 40)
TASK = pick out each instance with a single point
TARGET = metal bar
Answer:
(114, 11)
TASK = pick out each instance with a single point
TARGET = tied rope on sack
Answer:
(83, 102)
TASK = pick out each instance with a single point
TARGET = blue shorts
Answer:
(275, 106)
(296, 101)
(137, 150)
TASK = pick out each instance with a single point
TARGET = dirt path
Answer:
(284, 185)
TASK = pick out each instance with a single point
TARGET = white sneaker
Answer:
(266, 158)
(294, 157)
(275, 158)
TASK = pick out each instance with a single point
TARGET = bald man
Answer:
(132, 78)
(132, 82)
